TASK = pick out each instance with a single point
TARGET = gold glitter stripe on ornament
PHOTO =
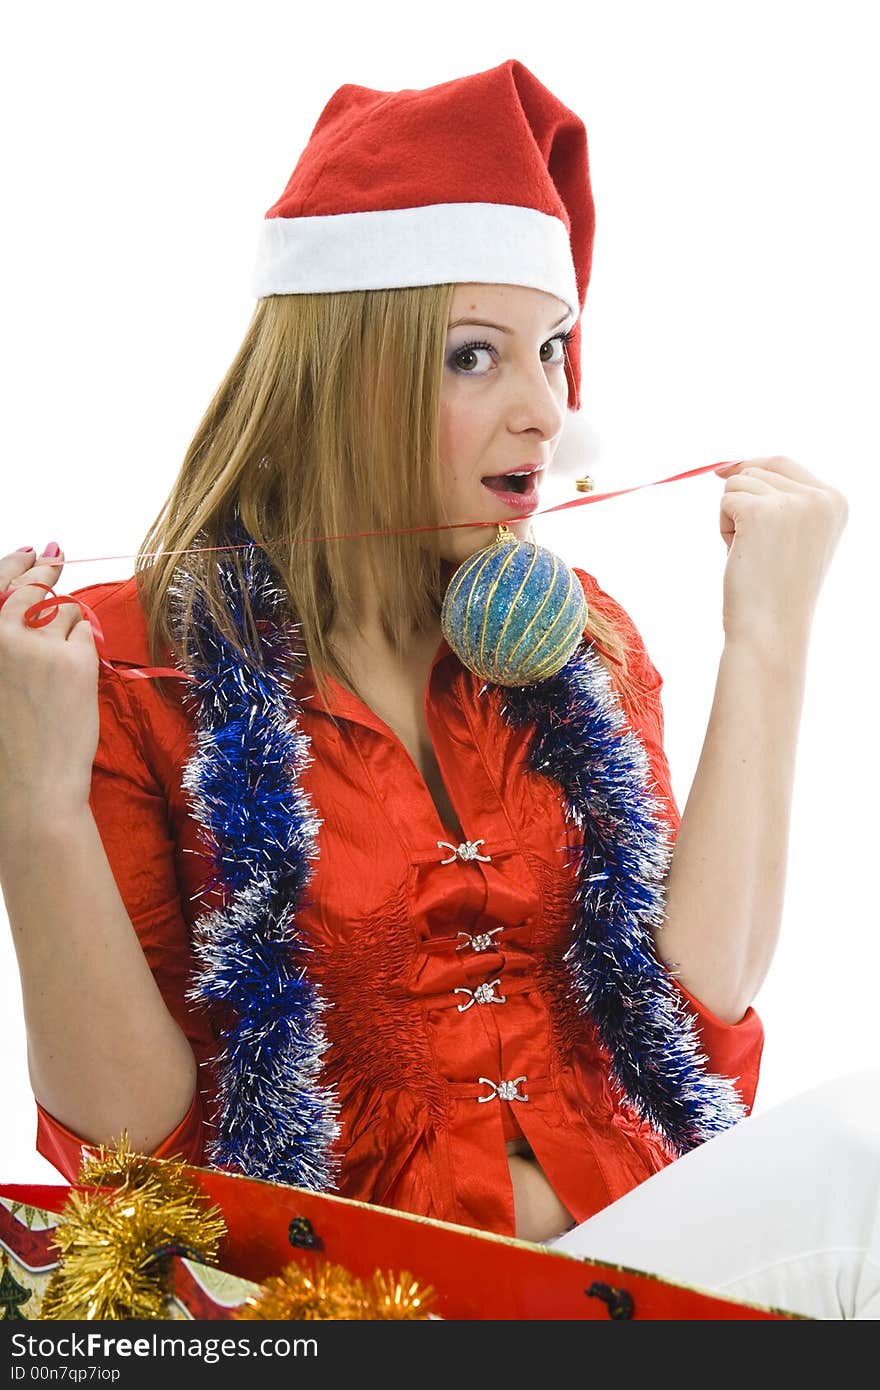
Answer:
(491, 595)
(461, 574)
(510, 665)
(552, 663)
(512, 608)
(478, 563)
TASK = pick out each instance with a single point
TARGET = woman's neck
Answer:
(369, 646)
(363, 638)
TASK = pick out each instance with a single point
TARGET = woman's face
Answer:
(503, 405)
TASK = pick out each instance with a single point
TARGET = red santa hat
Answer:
(483, 179)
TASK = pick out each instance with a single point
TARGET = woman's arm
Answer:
(104, 1053)
(726, 884)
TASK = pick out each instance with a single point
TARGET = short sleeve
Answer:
(131, 813)
(731, 1049)
(66, 1150)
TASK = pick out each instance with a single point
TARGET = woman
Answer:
(378, 925)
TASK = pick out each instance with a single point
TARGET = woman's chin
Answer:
(467, 542)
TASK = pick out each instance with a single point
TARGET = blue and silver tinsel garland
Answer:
(275, 1120)
(622, 862)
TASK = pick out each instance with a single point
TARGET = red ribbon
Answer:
(621, 492)
(40, 614)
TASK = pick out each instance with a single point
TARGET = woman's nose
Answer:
(535, 404)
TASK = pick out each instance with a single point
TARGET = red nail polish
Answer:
(53, 548)
(25, 550)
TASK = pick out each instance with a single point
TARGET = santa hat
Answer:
(483, 179)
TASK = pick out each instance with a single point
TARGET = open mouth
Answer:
(509, 482)
(518, 490)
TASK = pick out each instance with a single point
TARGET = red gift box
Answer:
(475, 1275)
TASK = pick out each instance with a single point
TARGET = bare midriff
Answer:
(539, 1212)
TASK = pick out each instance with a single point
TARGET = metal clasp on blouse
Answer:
(481, 942)
(483, 994)
(504, 1090)
(469, 850)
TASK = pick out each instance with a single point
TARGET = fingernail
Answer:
(53, 548)
(25, 550)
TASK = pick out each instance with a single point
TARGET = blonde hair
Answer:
(326, 424)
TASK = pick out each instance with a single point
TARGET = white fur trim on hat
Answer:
(441, 243)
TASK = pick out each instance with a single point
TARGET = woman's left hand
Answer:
(781, 526)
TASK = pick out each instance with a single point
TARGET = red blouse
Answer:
(438, 973)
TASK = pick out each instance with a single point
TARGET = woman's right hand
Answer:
(48, 697)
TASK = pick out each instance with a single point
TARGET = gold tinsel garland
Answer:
(114, 1245)
(330, 1291)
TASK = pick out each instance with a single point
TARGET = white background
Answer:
(733, 313)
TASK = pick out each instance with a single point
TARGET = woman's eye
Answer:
(465, 356)
(559, 342)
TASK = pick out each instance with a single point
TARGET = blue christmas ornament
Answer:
(514, 612)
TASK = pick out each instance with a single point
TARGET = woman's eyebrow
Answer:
(485, 323)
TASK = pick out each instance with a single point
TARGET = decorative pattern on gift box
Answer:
(28, 1258)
